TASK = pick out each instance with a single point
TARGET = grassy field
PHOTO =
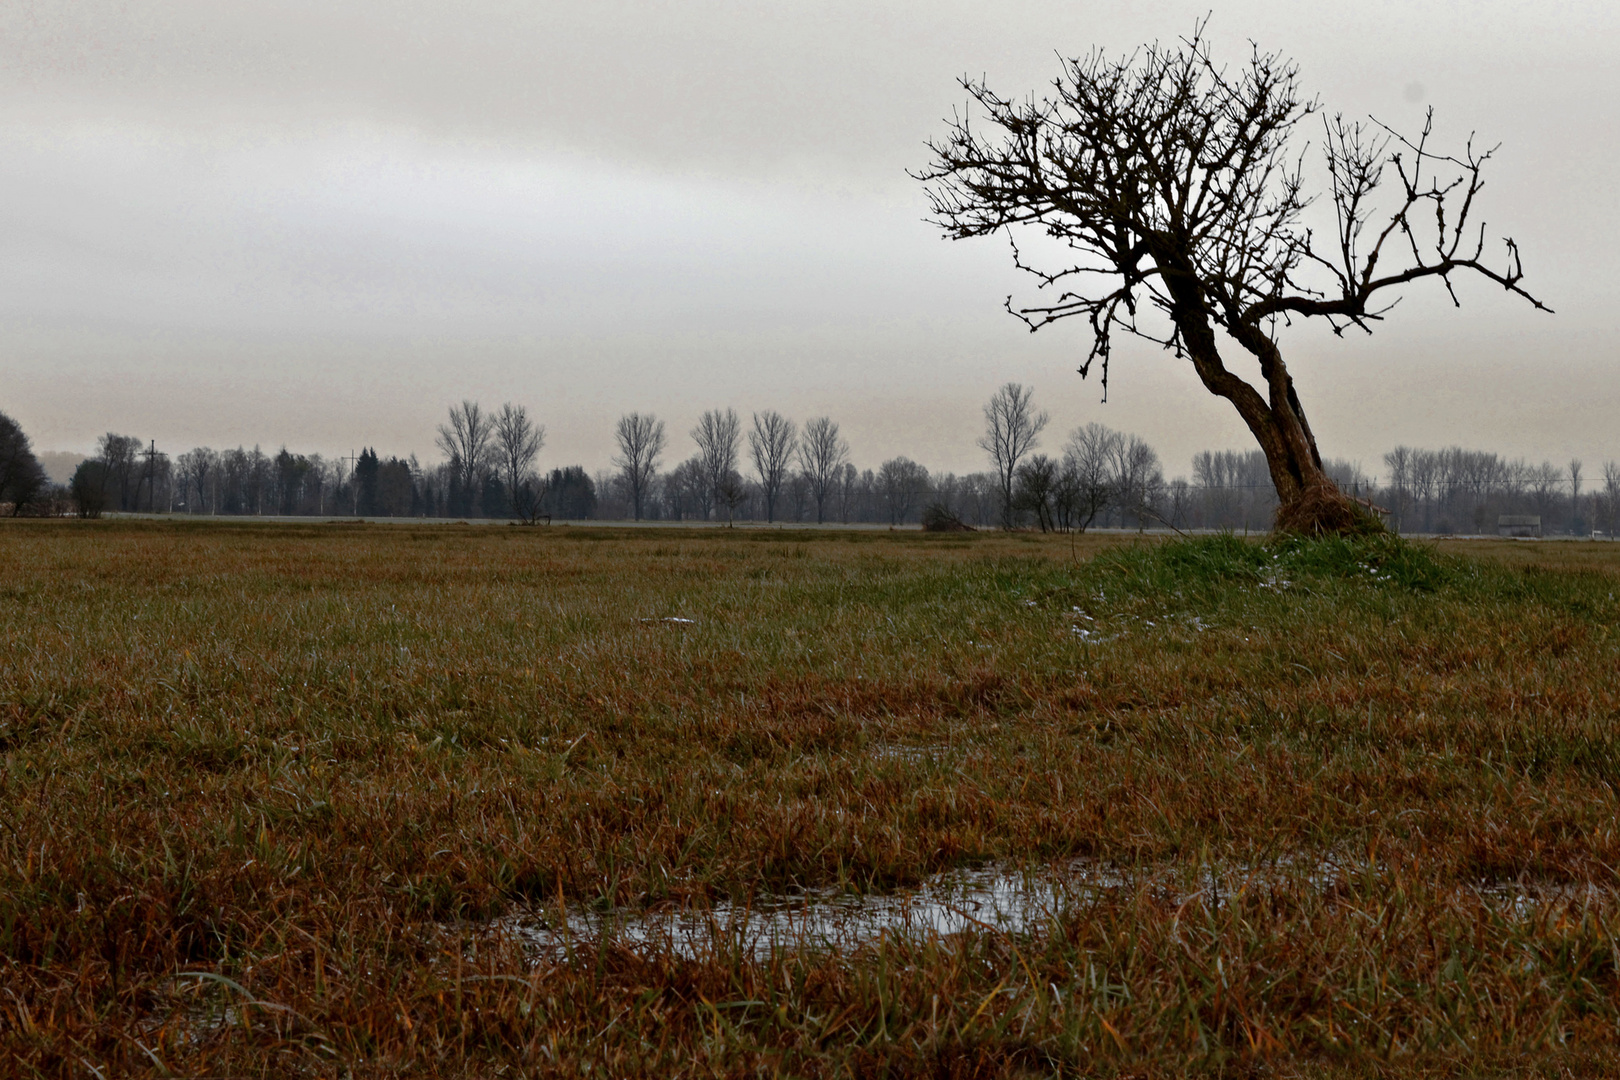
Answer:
(269, 795)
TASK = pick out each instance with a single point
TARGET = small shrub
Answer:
(937, 517)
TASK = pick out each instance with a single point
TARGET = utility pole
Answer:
(1574, 495)
(354, 480)
(148, 477)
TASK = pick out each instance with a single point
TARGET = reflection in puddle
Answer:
(994, 898)
(997, 899)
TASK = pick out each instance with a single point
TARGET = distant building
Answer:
(1518, 525)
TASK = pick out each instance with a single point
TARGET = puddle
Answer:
(928, 752)
(1535, 901)
(993, 898)
(996, 899)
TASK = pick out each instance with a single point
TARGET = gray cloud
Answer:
(318, 223)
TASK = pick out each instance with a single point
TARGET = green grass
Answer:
(267, 788)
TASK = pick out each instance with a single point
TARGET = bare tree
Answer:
(320, 480)
(822, 454)
(1011, 430)
(1425, 478)
(120, 454)
(195, 467)
(1088, 456)
(771, 444)
(641, 444)
(531, 504)
(1399, 463)
(1544, 481)
(1179, 498)
(517, 442)
(716, 436)
(1174, 182)
(1066, 498)
(1037, 480)
(846, 487)
(796, 496)
(688, 490)
(1137, 479)
(903, 483)
(466, 440)
(731, 492)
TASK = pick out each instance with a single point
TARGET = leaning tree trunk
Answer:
(1308, 501)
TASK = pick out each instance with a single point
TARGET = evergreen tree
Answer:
(22, 479)
(572, 494)
(365, 476)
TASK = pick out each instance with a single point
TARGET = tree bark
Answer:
(1308, 501)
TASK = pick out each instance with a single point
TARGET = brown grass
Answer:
(267, 787)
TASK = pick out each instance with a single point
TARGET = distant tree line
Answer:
(774, 469)
(1458, 490)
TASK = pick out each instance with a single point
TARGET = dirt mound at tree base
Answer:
(1324, 510)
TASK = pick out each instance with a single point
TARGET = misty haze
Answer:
(905, 540)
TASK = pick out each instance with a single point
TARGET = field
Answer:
(377, 800)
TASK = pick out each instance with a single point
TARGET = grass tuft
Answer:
(1212, 563)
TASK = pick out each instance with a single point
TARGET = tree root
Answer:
(1323, 510)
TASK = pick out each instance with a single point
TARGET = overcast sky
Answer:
(318, 224)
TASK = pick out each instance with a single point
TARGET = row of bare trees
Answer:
(709, 482)
(501, 446)
(895, 493)
(1107, 477)
(773, 469)
(489, 470)
(1100, 473)
(1458, 490)
(130, 475)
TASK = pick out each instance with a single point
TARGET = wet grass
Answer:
(269, 791)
